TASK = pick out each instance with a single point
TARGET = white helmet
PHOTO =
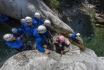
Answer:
(23, 21)
(7, 37)
(78, 34)
(41, 29)
(14, 30)
(28, 19)
(37, 15)
(47, 23)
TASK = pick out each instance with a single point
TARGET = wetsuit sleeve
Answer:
(21, 31)
(39, 46)
(8, 44)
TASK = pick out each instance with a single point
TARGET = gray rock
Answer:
(72, 60)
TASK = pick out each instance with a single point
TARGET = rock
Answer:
(99, 18)
(72, 60)
(21, 8)
(98, 25)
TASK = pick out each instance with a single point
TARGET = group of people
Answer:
(38, 30)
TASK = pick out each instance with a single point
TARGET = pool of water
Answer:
(5, 51)
(86, 27)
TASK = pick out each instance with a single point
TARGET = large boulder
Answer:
(72, 60)
(21, 8)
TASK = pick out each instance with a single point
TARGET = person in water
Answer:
(12, 42)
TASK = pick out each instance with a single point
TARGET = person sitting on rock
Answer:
(12, 42)
(18, 33)
(47, 24)
(60, 44)
(37, 20)
(40, 38)
(76, 38)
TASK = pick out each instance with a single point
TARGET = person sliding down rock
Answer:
(76, 38)
(40, 38)
(60, 44)
(47, 24)
(12, 42)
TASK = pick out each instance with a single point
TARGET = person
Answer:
(76, 38)
(60, 44)
(29, 26)
(3, 18)
(18, 33)
(23, 22)
(40, 38)
(84, 25)
(6, 19)
(90, 36)
(12, 42)
(79, 21)
(37, 20)
(47, 24)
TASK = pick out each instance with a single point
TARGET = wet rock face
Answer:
(72, 60)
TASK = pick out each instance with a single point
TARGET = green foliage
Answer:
(54, 4)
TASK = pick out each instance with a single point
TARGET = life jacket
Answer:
(74, 38)
(29, 29)
(37, 22)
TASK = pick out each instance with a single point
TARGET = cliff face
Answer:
(72, 60)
